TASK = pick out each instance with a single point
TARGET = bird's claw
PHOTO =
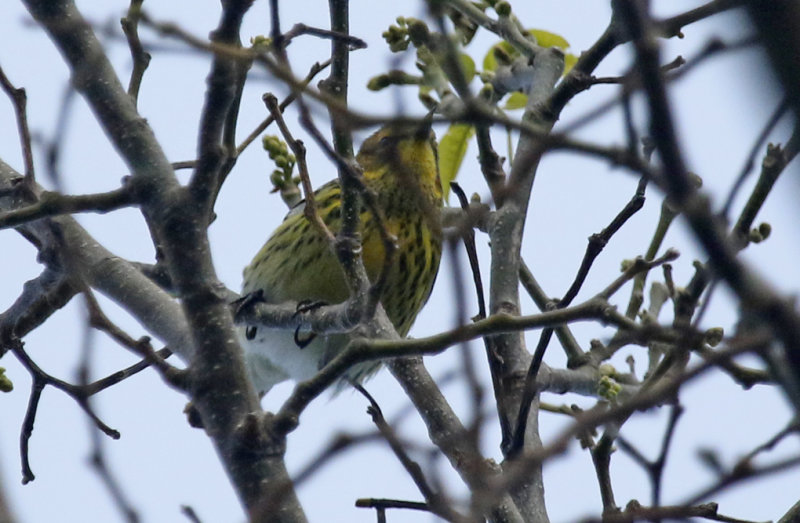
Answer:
(303, 307)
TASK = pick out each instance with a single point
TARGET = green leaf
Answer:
(468, 66)
(548, 39)
(5, 384)
(569, 62)
(452, 148)
(516, 100)
(490, 62)
(543, 38)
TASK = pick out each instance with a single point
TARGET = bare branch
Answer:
(20, 100)
(310, 207)
(141, 58)
(635, 512)
(437, 504)
(759, 297)
(596, 244)
(53, 204)
(220, 388)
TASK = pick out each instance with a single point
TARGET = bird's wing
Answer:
(300, 206)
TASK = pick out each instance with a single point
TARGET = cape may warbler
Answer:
(296, 264)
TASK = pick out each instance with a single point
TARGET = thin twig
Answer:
(190, 514)
(310, 207)
(601, 459)
(744, 376)
(655, 468)
(629, 85)
(315, 69)
(791, 429)
(638, 266)
(53, 204)
(468, 363)
(382, 503)
(635, 512)
(302, 29)
(20, 100)
(220, 110)
(260, 128)
(766, 304)
(337, 445)
(436, 502)
(40, 298)
(40, 379)
(60, 134)
(743, 472)
(122, 375)
(474, 113)
(369, 349)
(37, 386)
(776, 115)
(601, 414)
(140, 57)
(142, 347)
(474, 388)
(97, 455)
(350, 175)
(595, 246)
(468, 236)
(571, 346)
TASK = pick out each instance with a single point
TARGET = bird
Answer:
(296, 264)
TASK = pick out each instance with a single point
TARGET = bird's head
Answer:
(404, 151)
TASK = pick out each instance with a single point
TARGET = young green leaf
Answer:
(468, 66)
(543, 38)
(516, 101)
(548, 39)
(452, 148)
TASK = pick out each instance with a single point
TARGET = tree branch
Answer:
(219, 385)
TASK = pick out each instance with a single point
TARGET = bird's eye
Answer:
(385, 141)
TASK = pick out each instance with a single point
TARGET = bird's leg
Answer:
(303, 307)
(244, 302)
